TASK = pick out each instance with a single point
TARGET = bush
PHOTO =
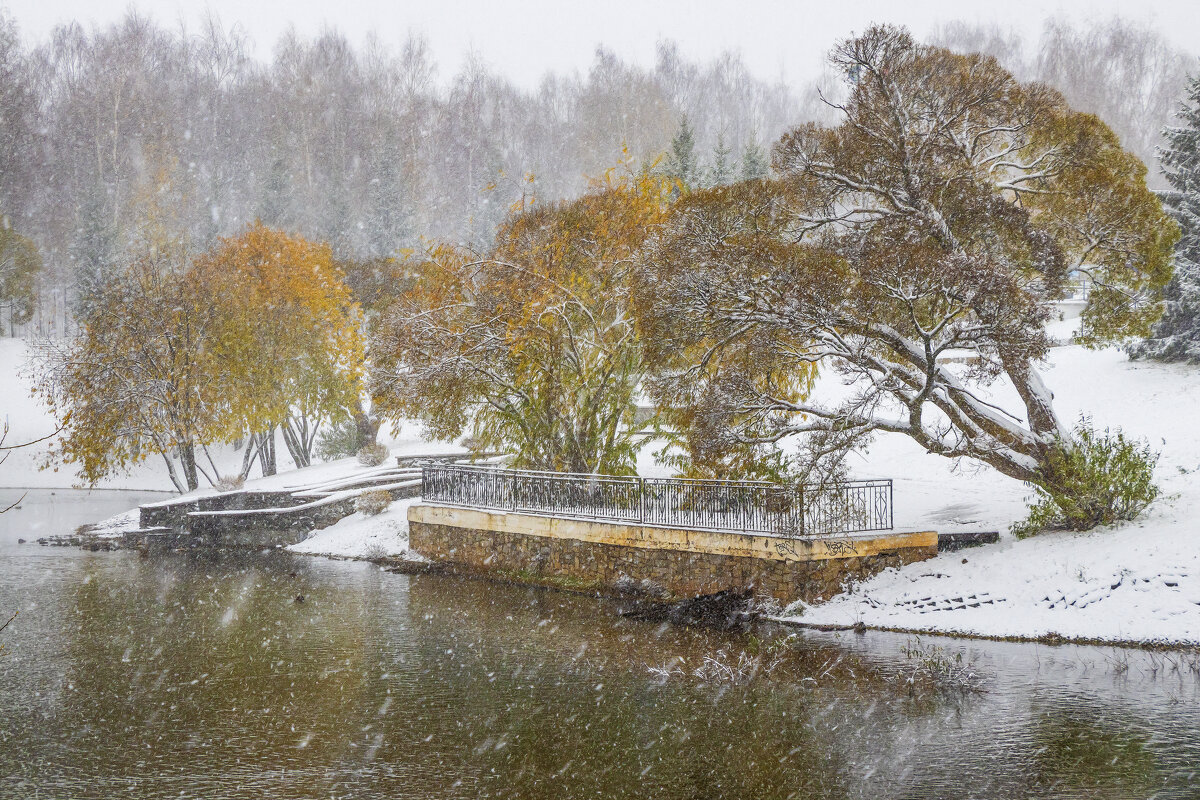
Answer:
(373, 455)
(373, 502)
(338, 441)
(1100, 479)
(229, 483)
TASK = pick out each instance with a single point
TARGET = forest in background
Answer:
(367, 147)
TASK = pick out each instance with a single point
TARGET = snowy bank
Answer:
(361, 536)
(1135, 582)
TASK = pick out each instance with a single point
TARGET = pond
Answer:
(291, 677)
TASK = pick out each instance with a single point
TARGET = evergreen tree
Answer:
(94, 251)
(722, 171)
(1176, 337)
(681, 161)
(754, 161)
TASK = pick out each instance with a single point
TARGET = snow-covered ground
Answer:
(360, 536)
(1137, 581)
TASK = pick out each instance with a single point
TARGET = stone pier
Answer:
(604, 556)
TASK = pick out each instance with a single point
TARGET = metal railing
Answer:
(750, 506)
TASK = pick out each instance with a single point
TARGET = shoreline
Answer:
(1049, 639)
(401, 562)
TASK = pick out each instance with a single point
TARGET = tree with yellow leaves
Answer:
(290, 343)
(531, 346)
(138, 379)
(176, 356)
(20, 264)
(942, 216)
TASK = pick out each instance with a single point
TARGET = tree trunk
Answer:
(266, 451)
(187, 460)
(368, 427)
(1038, 401)
(295, 436)
(172, 473)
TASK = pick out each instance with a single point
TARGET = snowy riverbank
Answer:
(1135, 582)
(384, 535)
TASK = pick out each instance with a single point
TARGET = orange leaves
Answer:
(291, 331)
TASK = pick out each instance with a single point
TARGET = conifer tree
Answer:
(1176, 337)
(681, 161)
(722, 171)
(754, 161)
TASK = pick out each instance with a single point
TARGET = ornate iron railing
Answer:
(751, 506)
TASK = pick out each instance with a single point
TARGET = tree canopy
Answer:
(178, 354)
(20, 264)
(532, 345)
(942, 215)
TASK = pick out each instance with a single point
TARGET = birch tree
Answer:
(942, 215)
(138, 379)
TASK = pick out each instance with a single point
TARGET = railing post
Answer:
(512, 491)
(801, 492)
(641, 501)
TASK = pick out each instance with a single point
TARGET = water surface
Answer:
(186, 676)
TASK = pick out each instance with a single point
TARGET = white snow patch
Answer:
(116, 525)
(360, 536)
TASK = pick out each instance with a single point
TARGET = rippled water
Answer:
(206, 677)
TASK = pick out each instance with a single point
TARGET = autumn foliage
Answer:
(532, 345)
(943, 216)
(179, 355)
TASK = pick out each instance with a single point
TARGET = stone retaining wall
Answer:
(604, 556)
(247, 520)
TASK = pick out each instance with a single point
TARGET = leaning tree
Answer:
(943, 215)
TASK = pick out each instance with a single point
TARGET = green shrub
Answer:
(373, 502)
(1098, 479)
(338, 441)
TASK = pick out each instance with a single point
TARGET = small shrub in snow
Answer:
(372, 502)
(373, 455)
(229, 483)
(339, 441)
(1104, 478)
(375, 551)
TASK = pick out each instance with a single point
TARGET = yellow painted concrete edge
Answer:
(651, 537)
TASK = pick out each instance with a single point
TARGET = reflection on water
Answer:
(192, 677)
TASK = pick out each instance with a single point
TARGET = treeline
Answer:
(361, 147)
(370, 149)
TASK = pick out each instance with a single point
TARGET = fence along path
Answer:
(745, 506)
